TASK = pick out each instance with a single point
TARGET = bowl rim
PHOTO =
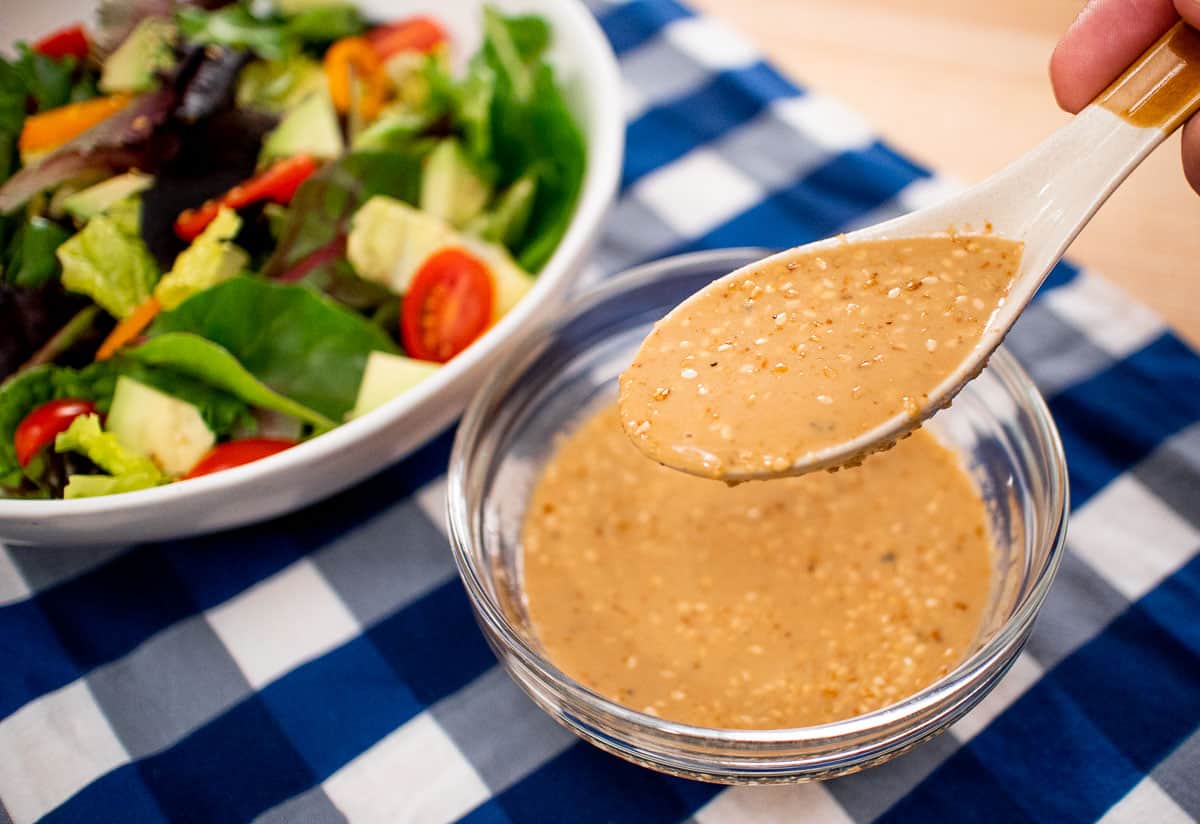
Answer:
(605, 144)
(972, 668)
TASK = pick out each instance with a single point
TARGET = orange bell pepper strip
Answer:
(356, 76)
(420, 34)
(278, 184)
(127, 329)
(50, 129)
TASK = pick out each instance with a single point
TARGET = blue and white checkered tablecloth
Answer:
(326, 665)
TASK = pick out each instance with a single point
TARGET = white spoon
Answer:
(1043, 199)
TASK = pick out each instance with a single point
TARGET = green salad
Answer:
(225, 229)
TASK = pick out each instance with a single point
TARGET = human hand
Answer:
(1109, 35)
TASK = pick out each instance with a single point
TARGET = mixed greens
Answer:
(226, 228)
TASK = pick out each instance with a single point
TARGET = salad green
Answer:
(225, 220)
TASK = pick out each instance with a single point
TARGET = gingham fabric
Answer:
(326, 666)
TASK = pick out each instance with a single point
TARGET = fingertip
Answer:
(1189, 10)
(1191, 152)
(1068, 92)
(1105, 38)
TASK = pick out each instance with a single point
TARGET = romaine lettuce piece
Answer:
(108, 264)
(211, 259)
(127, 470)
(21, 394)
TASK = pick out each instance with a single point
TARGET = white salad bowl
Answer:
(586, 69)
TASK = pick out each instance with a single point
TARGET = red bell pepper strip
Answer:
(277, 184)
(421, 34)
(71, 40)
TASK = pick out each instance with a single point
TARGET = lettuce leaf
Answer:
(118, 143)
(222, 411)
(312, 244)
(129, 471)
(215, 366)
(47, 79)
(109, 265)
(299, 343)
(12, 116)
(211, 259)
(514, 118)
(25, 392)
(31, 259)
(236, 26)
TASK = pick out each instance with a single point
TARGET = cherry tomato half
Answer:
(235, 453)
(39, 427)
(448, 305)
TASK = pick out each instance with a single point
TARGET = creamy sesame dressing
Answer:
(766, 605)
(754, 373)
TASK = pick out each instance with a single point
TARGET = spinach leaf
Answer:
(31, 261)
(47, 80)
(515, 118)
(25, 392)
(222, 410)
(214, 365)
(297, 342)
(559, 167)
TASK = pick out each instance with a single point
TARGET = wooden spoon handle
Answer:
(1162, 88)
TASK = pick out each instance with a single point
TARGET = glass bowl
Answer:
(558, 373)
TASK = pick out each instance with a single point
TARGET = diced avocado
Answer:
(510, 280)
(389, 240)
(386, 376)
(451, 187)
(310, 128)
(406, 70)
(506, 221)
(149, 49)
(279, 85)
(86, 204)
(169, 431)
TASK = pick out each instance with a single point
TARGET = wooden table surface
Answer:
(963, 88)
